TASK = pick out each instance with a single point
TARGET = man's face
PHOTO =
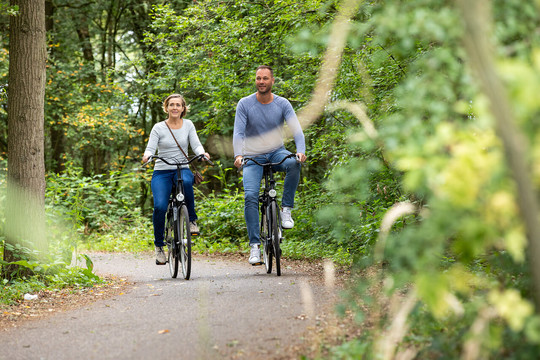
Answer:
(264, 81)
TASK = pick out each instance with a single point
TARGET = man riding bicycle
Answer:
(258, 133)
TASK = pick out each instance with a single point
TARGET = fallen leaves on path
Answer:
(49, 302)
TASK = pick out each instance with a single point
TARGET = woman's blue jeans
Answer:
(162, 184)
(252, 176)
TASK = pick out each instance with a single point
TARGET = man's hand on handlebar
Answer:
(238, 161)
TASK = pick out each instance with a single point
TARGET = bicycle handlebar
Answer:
(246, 159)
(196, 157)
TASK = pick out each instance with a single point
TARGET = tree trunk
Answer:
(56, 131)
(25, 215)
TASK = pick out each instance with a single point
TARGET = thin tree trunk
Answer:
(56, 130)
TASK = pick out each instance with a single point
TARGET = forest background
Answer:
(421, 119)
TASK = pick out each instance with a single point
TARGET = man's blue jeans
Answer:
(162, 184)
(253, 174)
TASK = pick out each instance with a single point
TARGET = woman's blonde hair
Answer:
(172, 96)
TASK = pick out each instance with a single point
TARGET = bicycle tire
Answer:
(275, 235)
(267, 246)
(171, 237)
(185, 243)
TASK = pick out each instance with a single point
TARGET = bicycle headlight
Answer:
(180, 197)
(272, 193)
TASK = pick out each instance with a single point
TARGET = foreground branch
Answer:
(481, 58)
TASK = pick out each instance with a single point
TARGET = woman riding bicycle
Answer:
(166, 137)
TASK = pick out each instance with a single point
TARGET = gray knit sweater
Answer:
(161, 140)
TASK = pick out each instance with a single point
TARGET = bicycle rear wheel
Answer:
(171, 238)
(266, 244)
(185, 243)
(276, 235)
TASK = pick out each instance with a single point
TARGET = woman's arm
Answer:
(195, 142)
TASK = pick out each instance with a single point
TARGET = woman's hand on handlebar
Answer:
(300, 157)
(146, 159)
(206, 157)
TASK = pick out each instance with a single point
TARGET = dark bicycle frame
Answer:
(268, 206)
(177, 207)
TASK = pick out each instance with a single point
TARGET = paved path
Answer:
(228, 310)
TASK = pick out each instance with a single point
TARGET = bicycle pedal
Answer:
(159, 263)
(258, 264)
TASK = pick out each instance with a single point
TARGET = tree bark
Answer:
(25, 215)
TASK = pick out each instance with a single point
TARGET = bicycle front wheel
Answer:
(172, 238)
(265, 242)
(185, 243)
(276, 235)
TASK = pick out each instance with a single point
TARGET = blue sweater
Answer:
(259, 128)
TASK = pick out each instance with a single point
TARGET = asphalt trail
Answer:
(227, 310)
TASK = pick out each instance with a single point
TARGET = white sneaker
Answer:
(255, 255)
(286, 218)
(161, 259)
(193, 228)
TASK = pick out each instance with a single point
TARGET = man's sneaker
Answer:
(255, 255)
(161, 259)
(286, 218)
(193, 228)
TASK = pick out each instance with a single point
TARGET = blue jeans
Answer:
(162, 184)
(253, 174)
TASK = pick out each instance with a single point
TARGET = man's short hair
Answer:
(267, 68)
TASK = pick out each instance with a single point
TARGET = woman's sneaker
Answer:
(193, 228)
(255, 255)
(161, 259)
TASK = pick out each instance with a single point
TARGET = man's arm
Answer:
(296, 129)
(239, 133)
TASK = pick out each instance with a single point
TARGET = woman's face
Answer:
(175, 107)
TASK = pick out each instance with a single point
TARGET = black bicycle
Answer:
(271, 233)
(177, 233)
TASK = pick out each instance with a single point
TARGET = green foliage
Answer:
(221, 45)
(137, 237)
(437, 141)
(64, 277)
(99, 202)
(222, 216)
(95, 117)
(53, 273)
(310, 239)
(462, 253)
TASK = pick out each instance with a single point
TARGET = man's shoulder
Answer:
(249, 98)
(281, 101)
(247, 102)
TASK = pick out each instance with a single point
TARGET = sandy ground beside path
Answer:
(228, 309)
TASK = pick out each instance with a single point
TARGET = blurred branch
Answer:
(481, 58)
(330, 65)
